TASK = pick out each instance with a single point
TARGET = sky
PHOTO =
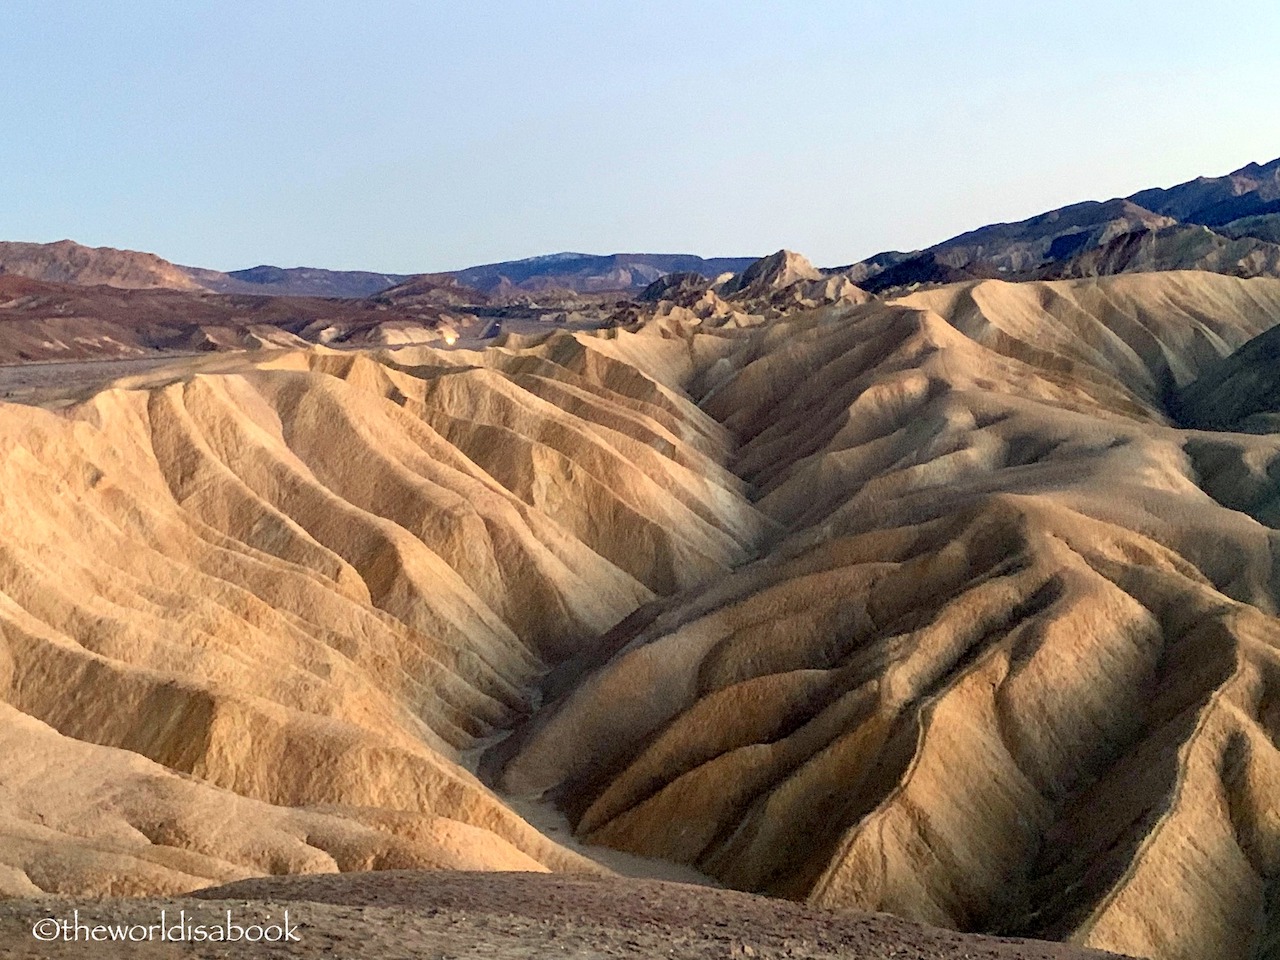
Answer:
(420, 136)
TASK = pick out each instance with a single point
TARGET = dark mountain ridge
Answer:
(1216, 201)
(266, 280)
(591, 273)
(1228, 224)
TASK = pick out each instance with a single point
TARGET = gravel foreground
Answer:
(504, 916)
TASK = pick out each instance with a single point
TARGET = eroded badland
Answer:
(947, 605)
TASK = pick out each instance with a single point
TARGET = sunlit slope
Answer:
(1013, 668)
(253, 622)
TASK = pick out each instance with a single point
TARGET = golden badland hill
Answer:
(926, 606)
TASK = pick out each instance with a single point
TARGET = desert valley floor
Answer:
(959, 606)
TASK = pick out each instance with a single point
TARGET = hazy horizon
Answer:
(408, 138)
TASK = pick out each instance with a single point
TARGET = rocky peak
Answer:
(772, 273)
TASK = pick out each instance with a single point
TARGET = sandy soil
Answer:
(512, 916)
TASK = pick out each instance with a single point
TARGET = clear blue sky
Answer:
(412, 136)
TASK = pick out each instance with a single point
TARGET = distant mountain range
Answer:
(73, 263)
(161, 312)
(559, 274)
(1227, 224)
(588, 273)
(296, 281)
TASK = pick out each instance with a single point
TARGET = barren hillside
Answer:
(70, 262)
(928, 606)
